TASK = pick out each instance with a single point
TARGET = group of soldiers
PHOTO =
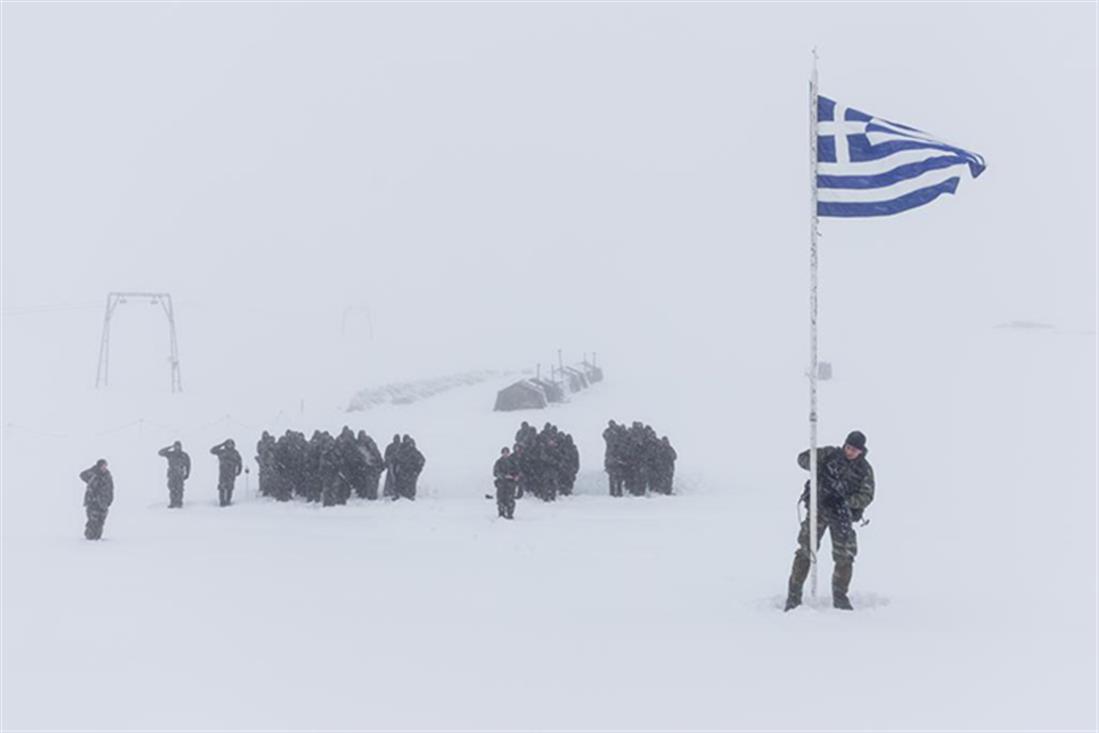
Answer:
(637, 460)
(323, 469)
(542, 463)
(547, 460)
(329, 469)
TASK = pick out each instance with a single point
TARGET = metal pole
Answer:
(100, 376)
(813, 536)
(107, 356)
(177, 380)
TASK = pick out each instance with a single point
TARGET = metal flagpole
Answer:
(813, 536)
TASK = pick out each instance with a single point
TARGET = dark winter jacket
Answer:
(374, 460)
(99, 493)
(505, 470)
(391, 452)
(843, 484)
(229, 461)
(616, 438)
(668, 456)
(410, 461)
(179, 463)
(572, 457)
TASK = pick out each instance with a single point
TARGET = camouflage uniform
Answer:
(389, 489)
(613, 462)
(571, 465)
(522, 459)
(665, 466)
(179, 470)
(229, 467)
(410, 462)
(634, 460)
(547, 470)
(329, 471)
(844, 489)
(98, 497)
(506, 474)
(373, 465)
(265, 457)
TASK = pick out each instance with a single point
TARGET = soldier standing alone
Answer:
(229, 467)
(845, 484)
(98, 497)
(506, 475)
(179, 470)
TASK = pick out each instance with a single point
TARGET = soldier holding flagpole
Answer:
(859, 166)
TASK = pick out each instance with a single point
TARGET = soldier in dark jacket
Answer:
(283, 470)
(265, 457)
(845, 487)
(546, 465)
(389, 489)
(354, 463)
(374, 464)
(570, 465)
(329, 467)
(613, 460)
(519, 457)
(350, 465)
(506, 475)
(651, 459)
(526, 435)
(665, 467)
(634, 459)
(308, 465)
(179, 470)
(98, 496)
(229, 467)
(410, 462)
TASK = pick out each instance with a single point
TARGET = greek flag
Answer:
(867, 166)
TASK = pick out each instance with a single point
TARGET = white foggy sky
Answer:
(505, 178)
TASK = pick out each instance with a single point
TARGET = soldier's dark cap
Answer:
(856, 439)
(101, 462)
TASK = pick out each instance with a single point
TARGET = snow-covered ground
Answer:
(975, 585)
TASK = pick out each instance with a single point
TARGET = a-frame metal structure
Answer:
(164, 300)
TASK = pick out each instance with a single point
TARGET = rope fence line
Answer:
(142, 423)
(37, 309)
(35, 431)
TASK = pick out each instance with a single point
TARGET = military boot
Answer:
(798, 573)
(841, 581)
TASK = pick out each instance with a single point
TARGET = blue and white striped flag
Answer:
(867, 166)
